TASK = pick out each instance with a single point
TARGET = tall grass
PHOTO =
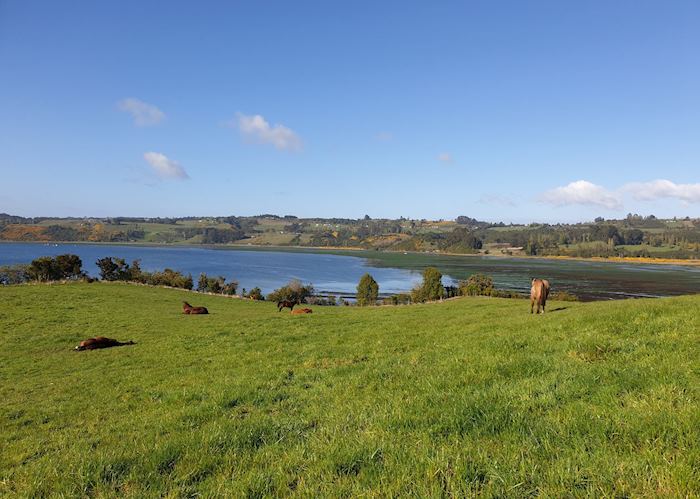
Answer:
(470, 396)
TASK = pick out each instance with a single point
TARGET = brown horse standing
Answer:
(538, 294)
(100, 342)
(189, 309)
(286, 304)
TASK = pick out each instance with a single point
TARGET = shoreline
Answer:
(367, 252)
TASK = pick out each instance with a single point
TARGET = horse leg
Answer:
(532, 304)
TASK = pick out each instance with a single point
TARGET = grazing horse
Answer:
(538, 294)
(100, 342)
(189, 309)
(286, 304)
(301, 311)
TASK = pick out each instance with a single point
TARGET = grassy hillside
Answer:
(467, 396)
(633, 237)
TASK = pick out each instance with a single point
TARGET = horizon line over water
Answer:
(338, 274)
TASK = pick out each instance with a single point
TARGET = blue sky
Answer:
(499, 110)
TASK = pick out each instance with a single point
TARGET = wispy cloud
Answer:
(445, 157)
(164, 167)
(582, 192)
(256, 129)
(658, 189)
(144, 114)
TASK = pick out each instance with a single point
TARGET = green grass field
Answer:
(457, 398)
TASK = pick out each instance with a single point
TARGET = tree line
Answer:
(69, 267)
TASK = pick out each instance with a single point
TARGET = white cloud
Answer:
(445, 157)
(165, 167)
(657, 189)
(582, 192)
(144, 114)
(256, 129)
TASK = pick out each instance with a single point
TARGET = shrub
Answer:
(563, 296)
(61, 267)
(135, 272)
(202, 282)
(367, 290)
(216, 285)
(167, 277)
(14, 274)
(229, 288)
(322, 301)
(69, 266)
(256, 294)
(398, 299)
(431, 289)
(116, 269)
(507, 293)
(113, 269)
(294, 291)
(477, 284)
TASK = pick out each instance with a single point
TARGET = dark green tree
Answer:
(113, 269)
(431, 288)
(43, 269)
(367, 291)
(47, 268)
(634, 236)
(69, 266)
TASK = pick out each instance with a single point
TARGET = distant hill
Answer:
(633, 236)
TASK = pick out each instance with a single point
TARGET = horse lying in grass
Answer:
(189, 309)
(100, 342)
(301, 311)
(286, 304)
(538, 294)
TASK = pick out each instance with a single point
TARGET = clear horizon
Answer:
(537, 112)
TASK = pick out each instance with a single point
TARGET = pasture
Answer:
(469, 396)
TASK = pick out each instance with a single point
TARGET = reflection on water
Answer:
(331, 273)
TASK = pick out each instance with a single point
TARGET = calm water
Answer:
(339, 274)
(266, 269)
